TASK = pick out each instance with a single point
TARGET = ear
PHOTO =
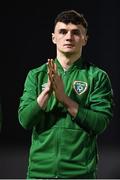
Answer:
(85, 39)
(53, 38)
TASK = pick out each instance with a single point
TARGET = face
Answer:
(69, 38)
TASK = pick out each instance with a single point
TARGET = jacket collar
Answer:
(78, 64)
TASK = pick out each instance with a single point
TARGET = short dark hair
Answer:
(71, 16)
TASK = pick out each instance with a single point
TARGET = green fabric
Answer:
(63, 146)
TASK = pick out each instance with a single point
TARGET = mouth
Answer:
(68, 45)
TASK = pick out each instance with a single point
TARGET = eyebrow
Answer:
(76, 31)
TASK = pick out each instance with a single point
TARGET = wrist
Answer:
(47, 90)
(63, 99)
(70, 105)
(43, 97)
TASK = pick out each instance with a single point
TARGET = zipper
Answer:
(57, 152)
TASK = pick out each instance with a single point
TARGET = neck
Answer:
(67, 60)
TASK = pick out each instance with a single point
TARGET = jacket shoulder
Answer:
(95, 70)
(42, 68)
(34, 73)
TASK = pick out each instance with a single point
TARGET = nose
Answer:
(69, 35)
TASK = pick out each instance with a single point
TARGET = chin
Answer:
(69, 53)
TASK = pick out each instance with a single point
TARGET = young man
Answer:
(67, 102)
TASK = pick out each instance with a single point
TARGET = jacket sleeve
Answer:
(29, 111)
(95, 116)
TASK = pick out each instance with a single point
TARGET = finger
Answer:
(49, 68)
(51, 65)
(50, 62)
(55, 68)
(54, 85)
(53, 81)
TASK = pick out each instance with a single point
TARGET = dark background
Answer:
(25, 43)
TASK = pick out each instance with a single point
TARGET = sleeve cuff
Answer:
(81, 115)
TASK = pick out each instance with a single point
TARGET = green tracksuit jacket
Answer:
(63, 146)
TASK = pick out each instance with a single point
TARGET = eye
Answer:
(76, 32)
(63, 31)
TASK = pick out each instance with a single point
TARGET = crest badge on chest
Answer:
(80, 87)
